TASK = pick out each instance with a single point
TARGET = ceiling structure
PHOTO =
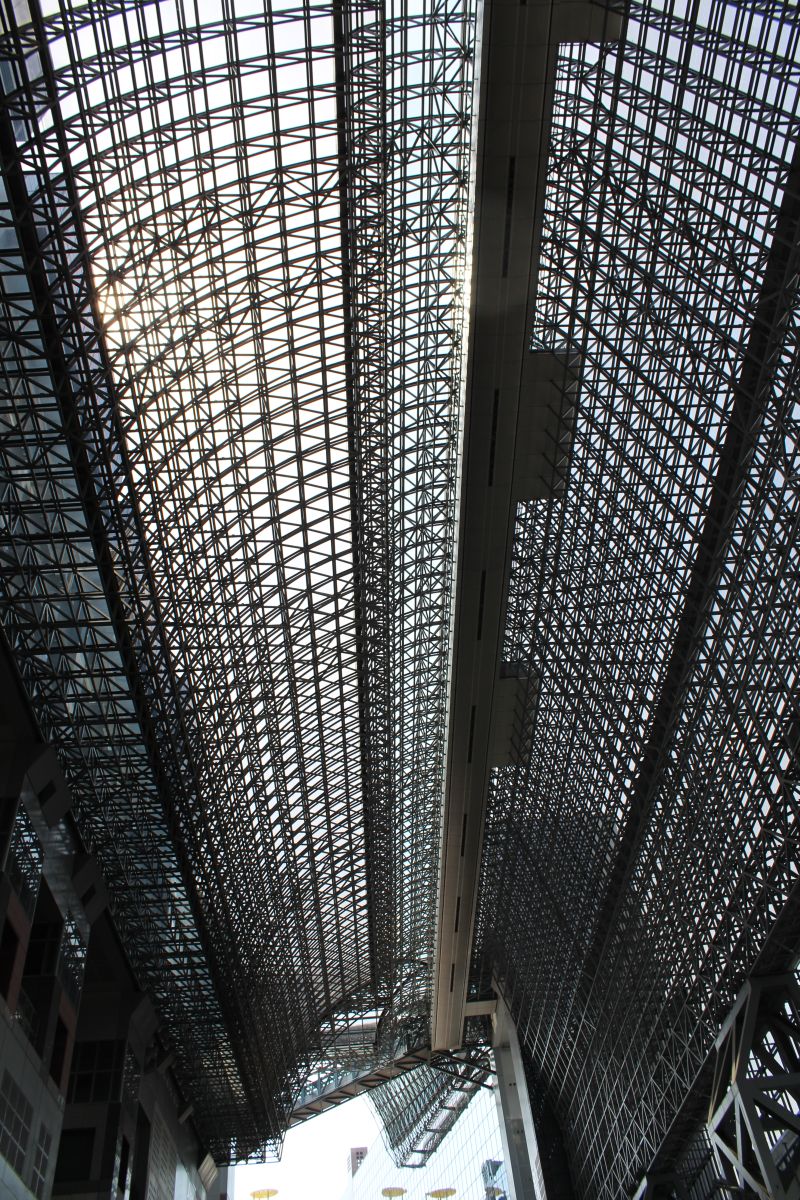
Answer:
(416, 619)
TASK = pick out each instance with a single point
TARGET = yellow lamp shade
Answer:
(442, 1193)
(264, 1194)
(393, 1192)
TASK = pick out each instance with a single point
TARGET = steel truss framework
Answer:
(754, 1121)
(642, 859)
(232, 265)
(419, 1108)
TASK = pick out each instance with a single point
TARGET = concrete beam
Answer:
(516, 444)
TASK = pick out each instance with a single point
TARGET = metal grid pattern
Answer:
(24, 860)
(637, 860)
(59, 622)
(251, 338)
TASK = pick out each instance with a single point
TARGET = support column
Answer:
(520, 1148)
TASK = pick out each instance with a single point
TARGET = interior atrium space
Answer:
(400, 593)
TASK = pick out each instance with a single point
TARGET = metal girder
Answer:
(754, 1113)
(687, 1128)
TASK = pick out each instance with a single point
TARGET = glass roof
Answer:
(212, 218)
(271, 205)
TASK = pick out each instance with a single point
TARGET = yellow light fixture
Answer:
(393, 1192)
(264, 1194)
(442, 1193)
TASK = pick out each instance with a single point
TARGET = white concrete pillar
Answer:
(517, 1131)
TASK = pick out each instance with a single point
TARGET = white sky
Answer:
(315, 1156)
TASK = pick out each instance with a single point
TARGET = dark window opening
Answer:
(9, 948)
(59, 1053)
(75, 1152)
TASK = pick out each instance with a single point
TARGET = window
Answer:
(41, 1158)
(96, 1073)
(16, 1117)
